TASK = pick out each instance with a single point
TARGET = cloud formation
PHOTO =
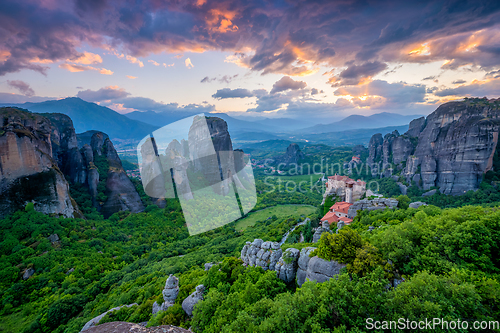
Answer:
(232, 93)
(356, 74)
(379, 93)
(290, 38)
(103, 94)
(22, 87)
(222, 79)
(489, 88)
(287, 83)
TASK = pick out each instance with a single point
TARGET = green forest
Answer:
(446, 257)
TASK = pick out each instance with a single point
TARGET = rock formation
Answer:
(303, 263)
(124, 327)
(260, 253)
(286, 268)
(417, 204)
(29, 170)
(169, 293)
(320, 270)
(121, 193)
(451, 149)
(189, 303)
(28, 273)
(292, 263)
(325, 227)
(94, 321)
(375, 204)
(40, 151)
(292, 155)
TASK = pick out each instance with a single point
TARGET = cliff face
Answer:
(292, 155)
(39, 151)
(120, 191)
(451, 149)
(28, 171)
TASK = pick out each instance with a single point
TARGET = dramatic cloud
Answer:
(355, 74)
(22, 87)
(290, 38)
(287, 83)
(475, 89)
(383, 94)
(493, 74)
(87, 58)
(232, 93)
(103, 94)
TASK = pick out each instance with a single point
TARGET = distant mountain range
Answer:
(165, 118)
(90, 116)
(377, 120)
(353, 129)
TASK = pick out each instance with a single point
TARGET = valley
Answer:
(101, 242)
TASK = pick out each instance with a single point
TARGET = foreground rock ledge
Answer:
(121, 327)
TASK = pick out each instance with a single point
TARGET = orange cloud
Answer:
(132, 77)
(132, 60)
(87, 58)
(40, 61)
(220, 20)
(153, 62)
(79, 68)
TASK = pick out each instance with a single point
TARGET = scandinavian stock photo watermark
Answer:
(431, 324)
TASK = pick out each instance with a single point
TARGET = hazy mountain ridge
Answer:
(90, 116)
(352, 122)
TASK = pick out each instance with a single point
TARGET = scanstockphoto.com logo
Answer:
(191, 160)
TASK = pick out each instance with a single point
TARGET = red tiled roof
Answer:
(346, 220)
(341, 207)
(337, 177)
(330, 217)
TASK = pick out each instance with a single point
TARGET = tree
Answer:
(341, 247)
(403, 201)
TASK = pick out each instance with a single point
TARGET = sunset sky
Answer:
(298, 59)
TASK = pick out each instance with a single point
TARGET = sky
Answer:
(294, 59)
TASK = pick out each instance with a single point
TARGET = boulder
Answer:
(124, 327)
(319, 231)
(417, 204)
(189, 303)
(303, 263)
(53, 238)
(429, 193)
(286, 268)
(28, 273)
(321, 270)
(403, 188)
(171, 289)
(94, 321)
